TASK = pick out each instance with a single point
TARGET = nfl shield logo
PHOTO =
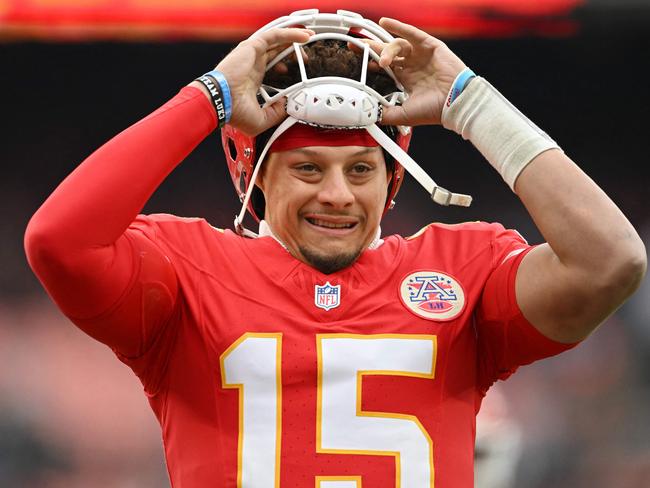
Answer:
(327, 296)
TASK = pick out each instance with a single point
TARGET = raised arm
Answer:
(77, 242)
(593, 259)
(101, 276)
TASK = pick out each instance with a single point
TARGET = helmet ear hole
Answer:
(232, 149)
(242, 182)
(258, 203)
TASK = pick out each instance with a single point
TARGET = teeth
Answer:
(330, 225)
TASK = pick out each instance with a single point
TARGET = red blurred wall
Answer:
(219, 19)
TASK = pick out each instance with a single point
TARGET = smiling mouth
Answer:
(330, 225)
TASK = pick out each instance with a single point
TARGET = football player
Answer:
(318, 353)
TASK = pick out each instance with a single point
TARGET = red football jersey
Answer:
(272, 374)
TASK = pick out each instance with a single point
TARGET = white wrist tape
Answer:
(502, 134)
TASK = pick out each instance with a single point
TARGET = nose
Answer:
(335, 190)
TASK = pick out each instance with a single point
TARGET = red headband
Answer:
(303, 135)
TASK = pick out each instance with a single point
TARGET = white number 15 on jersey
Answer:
(253, 365)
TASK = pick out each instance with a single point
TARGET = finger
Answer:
(396, 48)
(390, 54)
(274, 51)
(353, 47)
(412, 34)
(273, 115)
(395, 115)
(374, 67)
(376, 46)
(303, 55)
(279, 37)
(281, 67)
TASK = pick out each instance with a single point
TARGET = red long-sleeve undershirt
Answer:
(76, 242)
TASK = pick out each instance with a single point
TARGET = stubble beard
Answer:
(328, 263)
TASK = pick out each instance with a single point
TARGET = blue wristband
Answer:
(225, 90)
(459, 85)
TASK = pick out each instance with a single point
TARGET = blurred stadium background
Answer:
(75, 72)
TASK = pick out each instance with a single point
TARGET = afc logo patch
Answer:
(327, 296)
(432, 295)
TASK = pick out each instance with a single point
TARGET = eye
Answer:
(361, 168)
(306, 167)
(306, 170)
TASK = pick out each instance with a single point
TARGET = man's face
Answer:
(325, 203)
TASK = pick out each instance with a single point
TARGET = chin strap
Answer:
(438, 194)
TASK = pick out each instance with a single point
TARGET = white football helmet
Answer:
(329, 102)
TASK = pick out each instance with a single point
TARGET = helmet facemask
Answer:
(331, 102)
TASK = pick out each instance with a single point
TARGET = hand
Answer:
(244, 71)
(424, 65)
